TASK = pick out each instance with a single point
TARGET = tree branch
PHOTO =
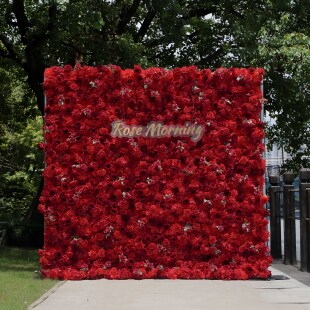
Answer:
(145, 25)
(126, 15)
(163, 52)
(4, 163)
(38, 38)
(72, 46)
(207, 59)
(236, 13)
(11, 53)
(22, 20)
(199, 12)
(211, 10)
(3, 54)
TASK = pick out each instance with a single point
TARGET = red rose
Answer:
(153, 207)
(41, 146)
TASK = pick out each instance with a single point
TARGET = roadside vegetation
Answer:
(20, 280)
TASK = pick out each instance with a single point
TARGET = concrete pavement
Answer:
(292, 271)
(288, 294)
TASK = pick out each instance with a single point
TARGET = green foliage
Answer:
(284, 51)
(20, 161)
(21, 166)
(17, 101)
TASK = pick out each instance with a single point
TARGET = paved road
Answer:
(286, 294)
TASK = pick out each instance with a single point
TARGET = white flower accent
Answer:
(167, 196)
(158, 165)
(154, 93)
(213, 268)
(141, 223)
(187, 171)
(61, 101)
(245, 226)
(86, 111)
(176, 108)
(248, 121)
(123, 258)
(161, 248)
(228, 151)
(252, 247)
(133, 143)
(245, 177)
(77, 195)
(207, 201)
(148, 264)
(71, 139)
(187, 227)
(180, 146)
(108, 231)
(139, 272)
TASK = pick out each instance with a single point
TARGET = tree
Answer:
(285, 53)
(36, 34)
(273, 34)
(20, 160)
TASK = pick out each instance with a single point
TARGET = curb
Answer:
(293, 272)
(46, 295)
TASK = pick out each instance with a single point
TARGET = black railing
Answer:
(286, 205)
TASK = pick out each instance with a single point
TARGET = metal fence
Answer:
(288, 204)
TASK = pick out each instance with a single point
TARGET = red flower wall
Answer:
(122, 208)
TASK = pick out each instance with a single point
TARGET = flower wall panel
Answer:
(143, 207)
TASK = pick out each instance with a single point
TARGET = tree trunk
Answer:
(33, 231)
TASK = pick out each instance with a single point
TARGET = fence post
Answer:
(304, 175)
(289, 219)
(275, 219)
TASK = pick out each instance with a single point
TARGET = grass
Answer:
(19, 285)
